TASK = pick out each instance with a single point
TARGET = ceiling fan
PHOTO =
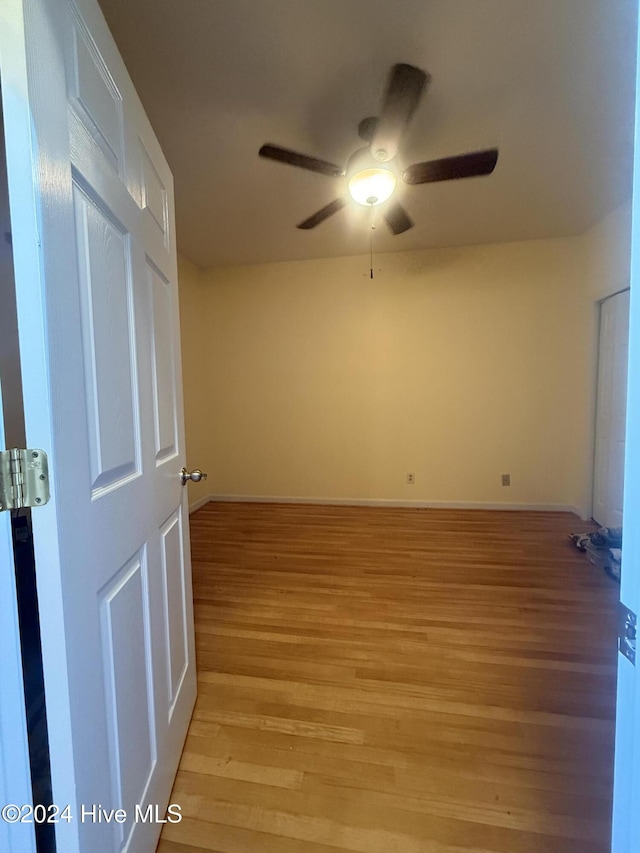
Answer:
(372, 171)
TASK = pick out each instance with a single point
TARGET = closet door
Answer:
(611, 411)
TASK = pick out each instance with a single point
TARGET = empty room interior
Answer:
(404, 409)
(386, 664)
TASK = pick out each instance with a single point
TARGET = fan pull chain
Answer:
(372, 229)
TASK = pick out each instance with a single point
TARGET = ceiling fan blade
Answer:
(320, 215)
(404, 90)
(397, 218)
(450, 168)
(303, 161)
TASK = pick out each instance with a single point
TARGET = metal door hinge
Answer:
(627, 633)
(24, 478)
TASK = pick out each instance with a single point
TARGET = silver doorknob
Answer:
(195, 476)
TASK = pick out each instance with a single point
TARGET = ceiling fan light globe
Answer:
(371, 187)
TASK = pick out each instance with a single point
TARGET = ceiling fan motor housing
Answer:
(370, 183)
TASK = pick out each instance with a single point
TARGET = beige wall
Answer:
(309, 380)
(196, 382)
(457, 365)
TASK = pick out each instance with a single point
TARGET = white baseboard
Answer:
(279, 499)
(200, 503)
(583, 512)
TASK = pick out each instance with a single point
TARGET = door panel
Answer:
(109, 348)
(175, 609)
(154, 197)
(129, 686)
(94, 95)
(163, 363)
(112, 545)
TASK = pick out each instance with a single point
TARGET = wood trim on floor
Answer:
(503, 506)
(194, 507)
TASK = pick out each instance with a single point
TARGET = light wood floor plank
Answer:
(377, 680)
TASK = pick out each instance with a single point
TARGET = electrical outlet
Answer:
(411, 478)
(506, 479)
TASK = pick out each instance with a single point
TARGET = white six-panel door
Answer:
(98, 318)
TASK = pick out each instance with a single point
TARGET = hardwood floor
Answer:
(397, 681)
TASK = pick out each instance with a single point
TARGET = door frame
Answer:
(23, 155)
(15, 771)
(625, 836)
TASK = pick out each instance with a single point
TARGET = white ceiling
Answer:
(550, 82)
